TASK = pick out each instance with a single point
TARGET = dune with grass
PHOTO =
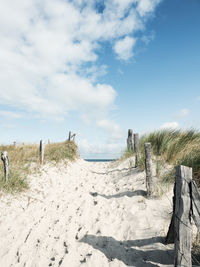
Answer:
(70, 212)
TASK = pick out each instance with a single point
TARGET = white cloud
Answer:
(124, 47)
(170, 125)
(146, 6)
(111, 127)
(45, 47)
(99, 151)
(183, 112)
(10, 114)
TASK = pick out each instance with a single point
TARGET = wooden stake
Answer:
(130, 140)
(136, 148)
(182, 221)
(170, 235)
(6, 163)
(196, 205)
(69, 138)
(41, 152)
(148, 167)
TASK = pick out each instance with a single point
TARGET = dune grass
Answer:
(174, 147)
(23, 158)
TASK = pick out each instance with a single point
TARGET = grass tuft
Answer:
(174, 147)
(24, 157)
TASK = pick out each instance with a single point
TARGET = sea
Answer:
(99, 160)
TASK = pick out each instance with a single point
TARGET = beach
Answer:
(81, 213)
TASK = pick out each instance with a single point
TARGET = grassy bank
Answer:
(172, 147)
(25, 158)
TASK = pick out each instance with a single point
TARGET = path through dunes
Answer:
(85, 214)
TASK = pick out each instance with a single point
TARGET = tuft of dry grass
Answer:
(60, 151)
(23, 157)
(126, 154)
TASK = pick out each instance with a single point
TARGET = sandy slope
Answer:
(85, 214)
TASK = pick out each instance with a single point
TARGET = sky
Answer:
(97, 68)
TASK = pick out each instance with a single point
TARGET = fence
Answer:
(6, 161)
(186, 205)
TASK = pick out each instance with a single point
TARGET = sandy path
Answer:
(85, 214)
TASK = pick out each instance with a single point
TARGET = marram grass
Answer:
(23, 157)
(174, 147)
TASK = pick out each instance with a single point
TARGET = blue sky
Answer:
(98, 68)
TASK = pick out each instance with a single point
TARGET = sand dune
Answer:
(85, 214)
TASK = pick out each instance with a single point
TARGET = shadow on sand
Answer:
(127, 193)
(136, 170)
(125, 252)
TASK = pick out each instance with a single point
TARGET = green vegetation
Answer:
(23, 158)
(174, 147)
(60, 151)
(171, 147)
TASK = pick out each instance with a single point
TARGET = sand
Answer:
(85, 214)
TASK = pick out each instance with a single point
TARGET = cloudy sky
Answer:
(97, 68)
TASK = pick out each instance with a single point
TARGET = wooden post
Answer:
(136, 148)
(48, 141)
(41, 152)
(6, 163)
(69, 138)
(148, 167)
(14, 143)
(73, 137)
(130, 140)
(182, 221)
(196, 205)
(170, 235)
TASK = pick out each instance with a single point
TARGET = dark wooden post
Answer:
(41, 152)
(148, 167)
(182, 221)
(130, 140)
(6, 163)
(73, 137)
(69, 138)
(170, 235)
(196, 205)
(136, 148)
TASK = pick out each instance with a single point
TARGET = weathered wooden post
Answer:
(73, 137)
(170, 235)
(69, 138)
(148, 167)
(14, 143)
(6, 163)
(48, 141)
(41, 152)
(182, 220)
(130, 140)
(136, 148)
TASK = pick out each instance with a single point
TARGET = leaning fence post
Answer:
(6, 163)
(41, 152)
(69, 138)
(130, 140)
(183, 212)
(136, 148)
(148, 167)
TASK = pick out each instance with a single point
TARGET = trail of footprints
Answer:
(60, 216)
